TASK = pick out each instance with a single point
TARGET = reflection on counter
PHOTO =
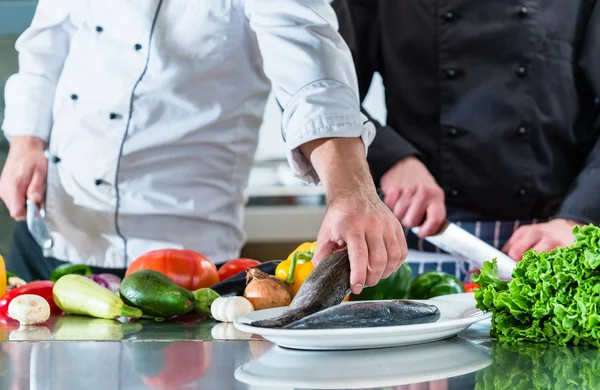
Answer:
(81, 328)
(131, 366)
(283, 368)
(540, 366)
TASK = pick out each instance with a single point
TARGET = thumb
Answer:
(324, 248)
(35, 191)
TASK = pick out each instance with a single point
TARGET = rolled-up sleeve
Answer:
(312, 75)
(42, 49)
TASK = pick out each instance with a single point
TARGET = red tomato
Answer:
(186, 268)
(470, 286)
(235, 266)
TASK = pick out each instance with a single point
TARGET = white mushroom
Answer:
(31, 333)
(29, 309)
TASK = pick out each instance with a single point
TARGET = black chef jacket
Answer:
(499, 99)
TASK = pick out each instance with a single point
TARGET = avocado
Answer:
(155, 294)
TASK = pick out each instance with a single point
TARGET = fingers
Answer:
(521, 242)
(391, 197)
(396, 252)
(35, 190)
(378, 257)
(436, 215)
(544, 246)
(402, 204)
(324, 247)
(13, 190)
(359, 261)
(416, 212)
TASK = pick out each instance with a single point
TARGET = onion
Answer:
(109, 281)
(265, 291)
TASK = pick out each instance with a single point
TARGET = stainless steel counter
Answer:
(192, 353)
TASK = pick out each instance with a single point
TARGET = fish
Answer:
(369, 314)
(326, 286)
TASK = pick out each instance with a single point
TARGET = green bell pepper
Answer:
(396, 286)
(433, 284)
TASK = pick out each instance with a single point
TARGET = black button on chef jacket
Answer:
(496, 97)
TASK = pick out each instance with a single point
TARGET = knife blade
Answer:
(463, 245)
(37, 227)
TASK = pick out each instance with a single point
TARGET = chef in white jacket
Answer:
(134, 123)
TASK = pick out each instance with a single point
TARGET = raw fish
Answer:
(369, 315)
(326, 286)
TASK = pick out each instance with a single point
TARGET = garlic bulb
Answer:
(227, 309)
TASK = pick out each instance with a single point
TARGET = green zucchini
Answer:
(76, 294)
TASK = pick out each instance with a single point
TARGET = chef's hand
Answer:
(24, 174)
(355, 215)
(540, 237)
(414, 196)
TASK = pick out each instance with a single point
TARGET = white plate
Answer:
(284, 368)
(458, 312)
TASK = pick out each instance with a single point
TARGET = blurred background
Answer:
(274, 196)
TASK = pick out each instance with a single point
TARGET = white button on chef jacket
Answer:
(152, 111)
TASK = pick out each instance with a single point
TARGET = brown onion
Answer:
(265, 291)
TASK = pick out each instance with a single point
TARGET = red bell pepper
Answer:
(42, 288)
(235, 266)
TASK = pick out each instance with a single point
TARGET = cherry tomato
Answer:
(235, 266)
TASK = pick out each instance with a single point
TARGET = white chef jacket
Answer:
(152, 110)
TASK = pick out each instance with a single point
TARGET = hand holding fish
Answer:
(355, 217)
(375, 240)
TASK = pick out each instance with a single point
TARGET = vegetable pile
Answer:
(166, 284)
(553, 297)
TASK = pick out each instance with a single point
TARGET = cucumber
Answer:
(204, 297)
(68, 269)
(76, 294)
(156, 294)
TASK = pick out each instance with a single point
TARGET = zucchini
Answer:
(76, 294)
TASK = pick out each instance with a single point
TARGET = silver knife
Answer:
(463, 245)
(37, 227)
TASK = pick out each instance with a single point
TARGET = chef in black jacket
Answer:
(493, 113)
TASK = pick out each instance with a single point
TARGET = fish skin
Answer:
(326, 286)
(369, 314)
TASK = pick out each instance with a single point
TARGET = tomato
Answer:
(186, 268)
(235, 266)
(182, 364)
(470, 286)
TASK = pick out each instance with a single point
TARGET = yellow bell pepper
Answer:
(297, 267)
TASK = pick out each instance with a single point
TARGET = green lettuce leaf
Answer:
(553, 296)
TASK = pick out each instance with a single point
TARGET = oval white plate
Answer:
(458, 312)
(284, 368)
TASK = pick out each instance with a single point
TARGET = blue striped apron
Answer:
(424, 256)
